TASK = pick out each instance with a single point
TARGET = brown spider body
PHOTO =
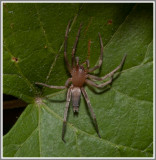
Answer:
(75, 95)
(79, 77)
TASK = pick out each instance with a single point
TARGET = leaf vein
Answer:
(143, 62)
(131, 97)
(26, 140)
(77, 145)
(43, 30)
(148, 146)
(100, 139)
(140, 65)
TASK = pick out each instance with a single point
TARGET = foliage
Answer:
(33, 52)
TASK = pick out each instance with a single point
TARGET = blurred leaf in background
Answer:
(33, 52)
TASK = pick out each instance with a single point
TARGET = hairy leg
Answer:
(65, 48)
(56, 87)
(89, 82)
(66, 112)
(87, 63)
(91, 110)
(100, 59)
(74, 47)
(109, 74)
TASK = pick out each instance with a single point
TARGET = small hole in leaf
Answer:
(14, 59)
(12, 25)
(109, 22)
(5, 7)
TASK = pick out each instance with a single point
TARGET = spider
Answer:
(79, 77)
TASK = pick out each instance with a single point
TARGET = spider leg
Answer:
(66, 112)
(65, 48)
(74, 47)
(87, 63)
(91, 110)
(100, 59)
(56, 87)
(98, 85)
(68, 81)
(109, 74)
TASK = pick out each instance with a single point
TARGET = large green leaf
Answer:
(33, 52)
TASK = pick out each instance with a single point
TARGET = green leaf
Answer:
(33, 52)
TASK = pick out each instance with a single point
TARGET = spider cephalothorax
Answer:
(79, 77)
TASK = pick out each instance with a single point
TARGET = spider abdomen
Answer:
(76, 94)
(78, 76)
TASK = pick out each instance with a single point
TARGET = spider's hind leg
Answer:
(100, 59)
(66, 113)
(91, 110)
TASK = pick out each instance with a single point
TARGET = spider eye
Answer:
(81, 68)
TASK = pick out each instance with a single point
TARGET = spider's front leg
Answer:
(65, 48)
(74, 47)
(56, 87)
(91, 110)
(66, 112)
(101, 57)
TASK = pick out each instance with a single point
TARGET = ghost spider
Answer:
(80, 77)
